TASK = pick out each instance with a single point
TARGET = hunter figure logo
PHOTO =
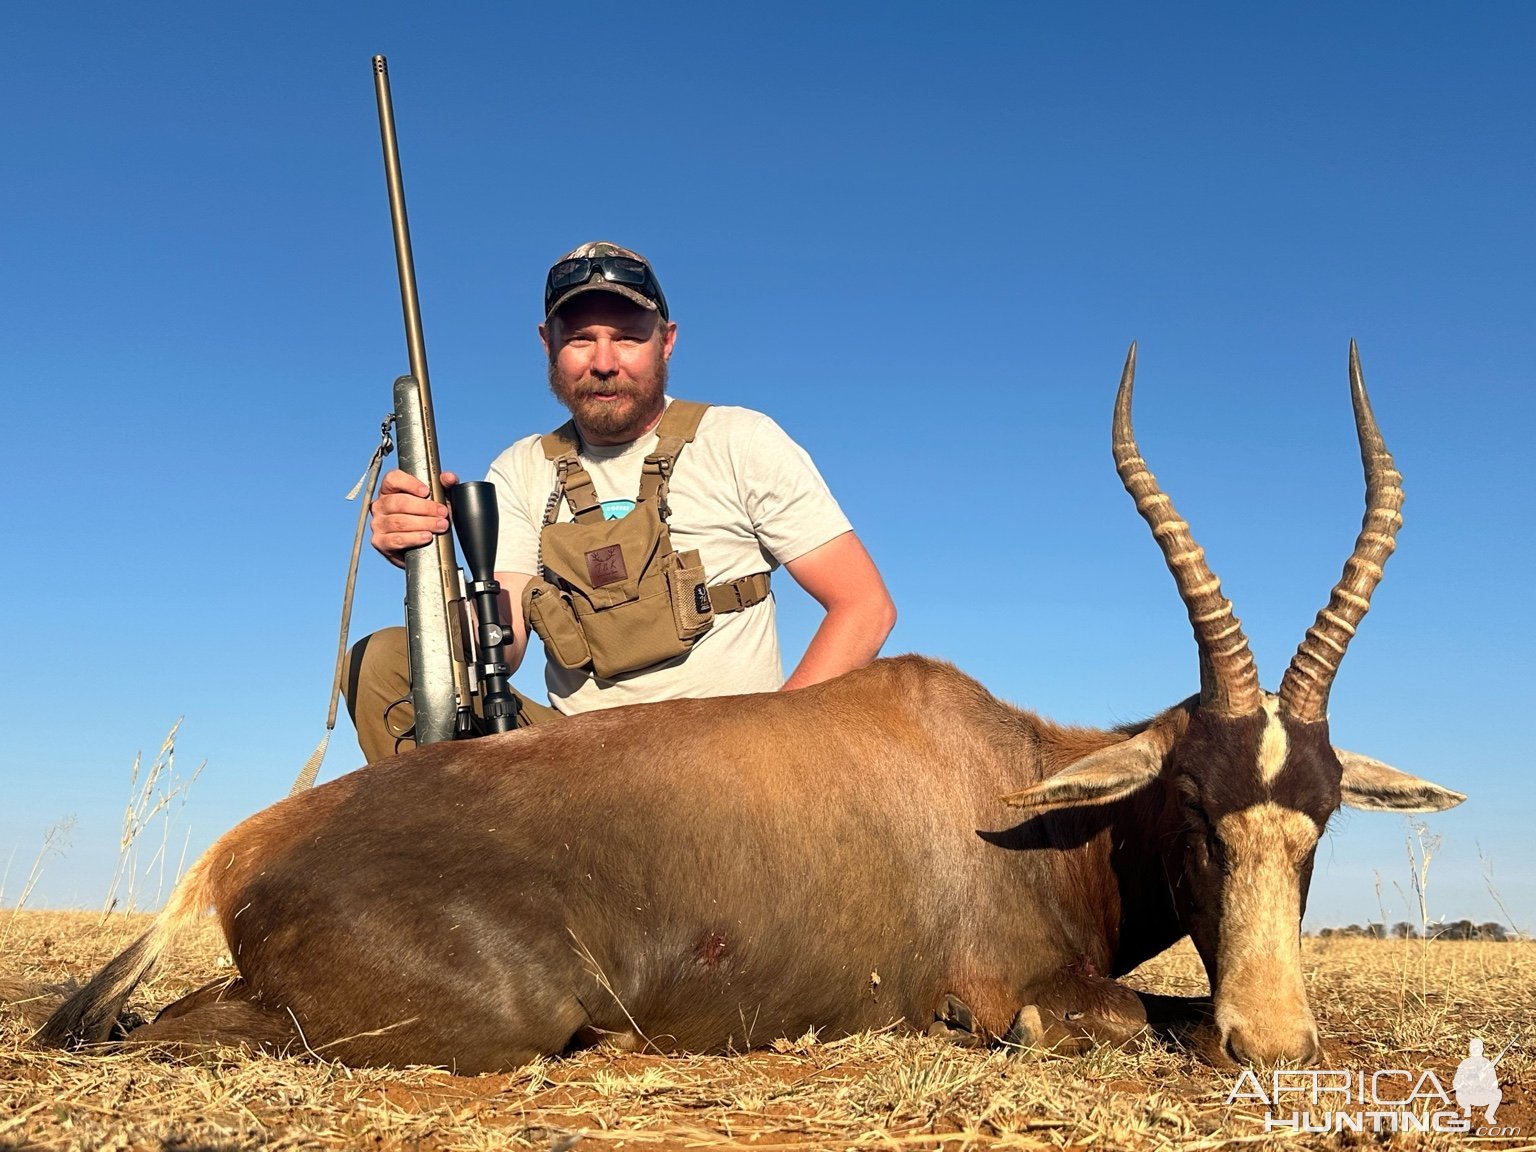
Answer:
(606, 566)
(1387, 1100)
(1477, 1083)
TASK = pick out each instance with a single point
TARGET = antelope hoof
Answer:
(1027, 1030)
(953, 1020)
(1074, 1009)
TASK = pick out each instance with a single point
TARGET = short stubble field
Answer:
(1380, 1004)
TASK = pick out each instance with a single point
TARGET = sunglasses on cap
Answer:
(623, 270)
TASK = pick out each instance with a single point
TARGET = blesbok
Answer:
(703, 875)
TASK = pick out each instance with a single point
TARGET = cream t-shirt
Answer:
(743, 493)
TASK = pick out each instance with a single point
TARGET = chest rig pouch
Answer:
(613, 595)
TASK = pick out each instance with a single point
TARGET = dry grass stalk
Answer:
(1493, 891)
(55, 840)
(154, 797)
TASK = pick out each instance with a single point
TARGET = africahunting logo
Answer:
(1386, 1100)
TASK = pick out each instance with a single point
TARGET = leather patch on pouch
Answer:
(606, 566)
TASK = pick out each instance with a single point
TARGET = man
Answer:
(741, 493)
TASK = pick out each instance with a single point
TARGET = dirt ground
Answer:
(1406, 1006)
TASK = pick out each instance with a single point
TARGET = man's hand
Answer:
(404, 516)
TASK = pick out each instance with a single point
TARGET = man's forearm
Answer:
(841, 577)
(512, 585)
(849, 637)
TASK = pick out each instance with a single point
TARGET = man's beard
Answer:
(638, 401)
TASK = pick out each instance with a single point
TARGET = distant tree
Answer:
(1376, 931)
(1455, 930)
(1326, 933)
(1492, 931)
(1403, 930)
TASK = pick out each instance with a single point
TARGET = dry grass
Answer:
(151, 800)
(1379, 1003)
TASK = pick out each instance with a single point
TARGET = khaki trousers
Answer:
(378, 691)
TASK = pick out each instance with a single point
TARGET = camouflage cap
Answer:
(645, 290)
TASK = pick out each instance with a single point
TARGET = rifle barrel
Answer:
(415, 341)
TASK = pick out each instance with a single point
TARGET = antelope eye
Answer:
(1203, 839)
(1215, 849)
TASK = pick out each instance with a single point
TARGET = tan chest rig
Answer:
(613, 595)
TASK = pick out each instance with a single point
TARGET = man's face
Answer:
(608, 365)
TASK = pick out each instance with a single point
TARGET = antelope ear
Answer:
(1377, 787)
(1108, 774)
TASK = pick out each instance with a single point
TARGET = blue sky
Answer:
(920, 236)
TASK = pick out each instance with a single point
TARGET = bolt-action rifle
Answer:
(446, 672)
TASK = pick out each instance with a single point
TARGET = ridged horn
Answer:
(1304, 691)
(1229, 681)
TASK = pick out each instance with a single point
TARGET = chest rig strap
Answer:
(678, 426)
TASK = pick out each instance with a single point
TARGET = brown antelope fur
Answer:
(709, 875)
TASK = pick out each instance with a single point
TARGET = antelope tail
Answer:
(89, 1015)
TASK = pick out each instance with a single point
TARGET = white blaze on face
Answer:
(1273, 744)
(1261, 1004)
